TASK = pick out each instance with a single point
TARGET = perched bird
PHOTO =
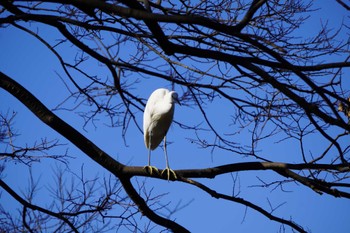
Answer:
(157, 118)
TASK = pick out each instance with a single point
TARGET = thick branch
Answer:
(84, 144)
(53, 121)
(283, 169)
(246, 166)
(147, 211)
(256, 4)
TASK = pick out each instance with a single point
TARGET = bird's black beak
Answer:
(177, 101)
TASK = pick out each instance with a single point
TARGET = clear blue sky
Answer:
(33, 66)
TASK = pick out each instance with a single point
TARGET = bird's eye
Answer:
(175, 98)
(174, 95)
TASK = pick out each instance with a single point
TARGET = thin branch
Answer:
(239, 200)
(35, 207)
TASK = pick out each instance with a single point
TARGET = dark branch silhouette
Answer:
(276, 86)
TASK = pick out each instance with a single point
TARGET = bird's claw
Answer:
(149, 169)
(168, 172)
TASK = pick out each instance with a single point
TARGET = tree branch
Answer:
(239, 200)
(35, 207)
(53, 121)
(85, 145)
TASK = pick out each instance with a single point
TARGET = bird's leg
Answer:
(150, 168)
(167, 168)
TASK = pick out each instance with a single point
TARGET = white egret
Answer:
(157, 118)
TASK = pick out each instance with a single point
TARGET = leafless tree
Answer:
(275, 85)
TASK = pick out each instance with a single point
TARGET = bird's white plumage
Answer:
(157, 118)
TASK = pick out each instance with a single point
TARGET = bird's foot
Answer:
(149, 169)
(169, 173)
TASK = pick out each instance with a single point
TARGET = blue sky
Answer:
(27, 61)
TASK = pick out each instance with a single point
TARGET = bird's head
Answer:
(174, 97)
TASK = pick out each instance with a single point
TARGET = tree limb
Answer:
(85, 145)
